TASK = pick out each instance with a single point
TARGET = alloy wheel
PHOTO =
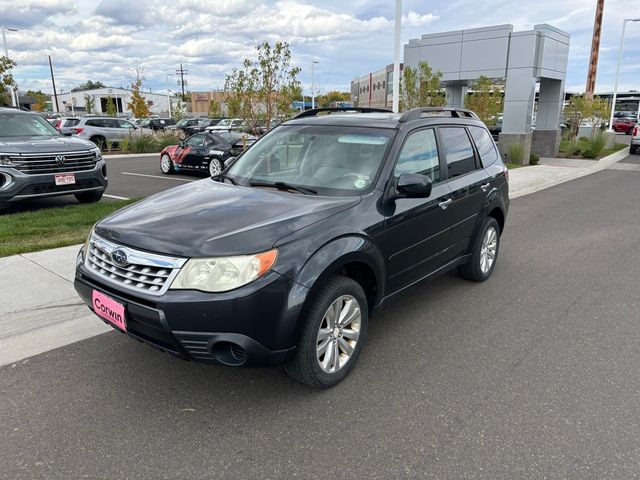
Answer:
(165, 163)
(488, 250)
(338, 334)
(215, 168)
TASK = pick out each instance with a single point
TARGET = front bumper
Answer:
(20, 186)
(246, 327)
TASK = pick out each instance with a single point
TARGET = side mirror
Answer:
(413, 185)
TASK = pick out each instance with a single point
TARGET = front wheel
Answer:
(166, 165)
(334, 330)
(485, 253)
(89, 197)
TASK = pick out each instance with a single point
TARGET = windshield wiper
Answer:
(285, 186)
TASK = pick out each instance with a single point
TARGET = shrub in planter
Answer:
(597, 144)
(588, 153)
(534, 159)
(583, 139)
(515, 153)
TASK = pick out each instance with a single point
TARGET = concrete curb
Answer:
(602, 164)
(129, 155)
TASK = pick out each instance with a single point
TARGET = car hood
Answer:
(208, 218)
(43, 144)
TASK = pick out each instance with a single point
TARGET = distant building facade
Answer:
(74, 102)
(374, 89)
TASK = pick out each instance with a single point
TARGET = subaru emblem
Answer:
(60, 159)
(119, 257)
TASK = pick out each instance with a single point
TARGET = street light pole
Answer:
(313, 86)
(396, 58)
(14, 94)
(615, 86)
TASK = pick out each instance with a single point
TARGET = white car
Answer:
(228, 125)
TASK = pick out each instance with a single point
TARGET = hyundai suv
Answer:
(37, 161)
(284, 256)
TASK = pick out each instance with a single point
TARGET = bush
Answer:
(583, 139)
(588, 153)
(515, 153)
(575, 151)
(166, 139)
(534, 159)
(597, 144)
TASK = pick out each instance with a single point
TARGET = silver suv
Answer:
(102, 129)
(37, 161)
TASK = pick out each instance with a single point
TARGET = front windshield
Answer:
(224, 123)
(181, 123)
(25, 125)
(330, 160)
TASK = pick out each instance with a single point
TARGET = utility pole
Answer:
(396, 58)
(313, 86)
(53, 82)
(182, 72)
(595, 49)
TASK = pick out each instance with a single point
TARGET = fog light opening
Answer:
(229, 353)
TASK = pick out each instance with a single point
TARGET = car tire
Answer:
(89, 197)
(317, 368)
(100, 142)
(633, 149)
(166, 165)
(215, 167)
(485, 253)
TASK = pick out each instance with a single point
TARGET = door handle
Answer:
(485, 187)
(445, 204)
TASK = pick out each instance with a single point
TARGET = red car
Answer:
(624, 124)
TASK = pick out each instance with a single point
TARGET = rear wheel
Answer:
(633, 149)
(166, 165)
(89, 197)
(334, 331)
(485, 253)
(215, 167)
(100, 142)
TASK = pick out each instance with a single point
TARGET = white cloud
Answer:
(102, 40)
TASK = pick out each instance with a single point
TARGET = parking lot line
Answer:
(157, 176)
(116, 197)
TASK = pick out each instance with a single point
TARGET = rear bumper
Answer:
(20, 186)
(188, 324)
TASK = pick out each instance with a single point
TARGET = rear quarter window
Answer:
(485, 145)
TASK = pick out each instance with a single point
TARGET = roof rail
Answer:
(453, 112)
(314, 112)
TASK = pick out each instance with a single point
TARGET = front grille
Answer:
(51, 187)
(142, 271)
(37, 164)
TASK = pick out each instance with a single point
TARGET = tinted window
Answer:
(110, 123)
(484, 144)
(419, 155)
(458, 151)
(125, 124)
(94, 123)
(195, 141)
(70, 122)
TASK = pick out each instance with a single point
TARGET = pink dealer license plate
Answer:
(65, 179)
(109, 309)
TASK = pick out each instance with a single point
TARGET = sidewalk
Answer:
(43, 312)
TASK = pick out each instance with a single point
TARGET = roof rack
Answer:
(314, 112)
(417, 113)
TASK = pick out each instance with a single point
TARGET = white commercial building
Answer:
(75, 102)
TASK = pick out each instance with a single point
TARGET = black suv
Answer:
(36, 160)
(284, 256)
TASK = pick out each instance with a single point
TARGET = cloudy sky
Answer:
(102, 40)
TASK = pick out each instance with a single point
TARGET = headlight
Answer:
(216, 153)
(97, 153)
(85, 247)
(224, 273)
(5, 161)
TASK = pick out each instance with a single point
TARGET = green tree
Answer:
(263, 89)
(420, 87)
(88, 85)
(584, 108)
(330, 97)
(214, 109)
(178, 111)
(7, 83)
(486, 101)
(89, 103)
(112, 111)
(40, 98)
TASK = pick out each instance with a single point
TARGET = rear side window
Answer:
(484, 144)
(94, 123)
(70, 122)
(419, 155)
(458, 151)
